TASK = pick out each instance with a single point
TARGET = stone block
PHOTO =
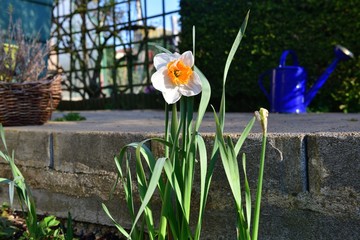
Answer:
(30, 148)
(281, 223)
(334, 161)
(285, 163)
(89, 152)
(334, 170)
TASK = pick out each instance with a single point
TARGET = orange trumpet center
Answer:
(178, 72)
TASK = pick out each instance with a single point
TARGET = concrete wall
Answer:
(311, 183)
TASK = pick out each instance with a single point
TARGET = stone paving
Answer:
(140, 121)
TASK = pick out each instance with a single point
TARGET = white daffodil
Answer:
(174, 76)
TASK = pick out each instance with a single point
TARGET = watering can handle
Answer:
(285, 54)
(261, 85)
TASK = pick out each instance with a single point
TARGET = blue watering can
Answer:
(288, 83)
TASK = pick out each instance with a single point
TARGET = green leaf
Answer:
(69, 235)
(203, 176)
(169, 170)
(235, 46)
(244, 135)
(247, 194)
(163, 227)
(50, 221)
(151, 188)
(2, 133)
(117, 225)
(205, 98)
(193, 35)
(227, 66)
(4, 180)
(128, 188)
(233, 171)
(160, 48)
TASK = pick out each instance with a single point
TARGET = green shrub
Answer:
(310, 28)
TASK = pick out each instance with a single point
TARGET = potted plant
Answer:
(28, 94)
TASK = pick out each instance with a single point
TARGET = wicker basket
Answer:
(29, 103)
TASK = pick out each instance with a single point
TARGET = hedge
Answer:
(310, 27)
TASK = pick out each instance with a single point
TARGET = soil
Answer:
(15, 223)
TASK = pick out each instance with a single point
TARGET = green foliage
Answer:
(172, 175)
(229, 157)
(310, 28)
(45, 229)
(348, 95)
(73, 116)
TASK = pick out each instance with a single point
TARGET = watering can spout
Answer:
(341, 54)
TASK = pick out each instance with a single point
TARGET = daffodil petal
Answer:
(193, 87)
(161, 59)
(188, 58)
(161, 81)
(172, 95)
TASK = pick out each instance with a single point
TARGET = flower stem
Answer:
(259, 189)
